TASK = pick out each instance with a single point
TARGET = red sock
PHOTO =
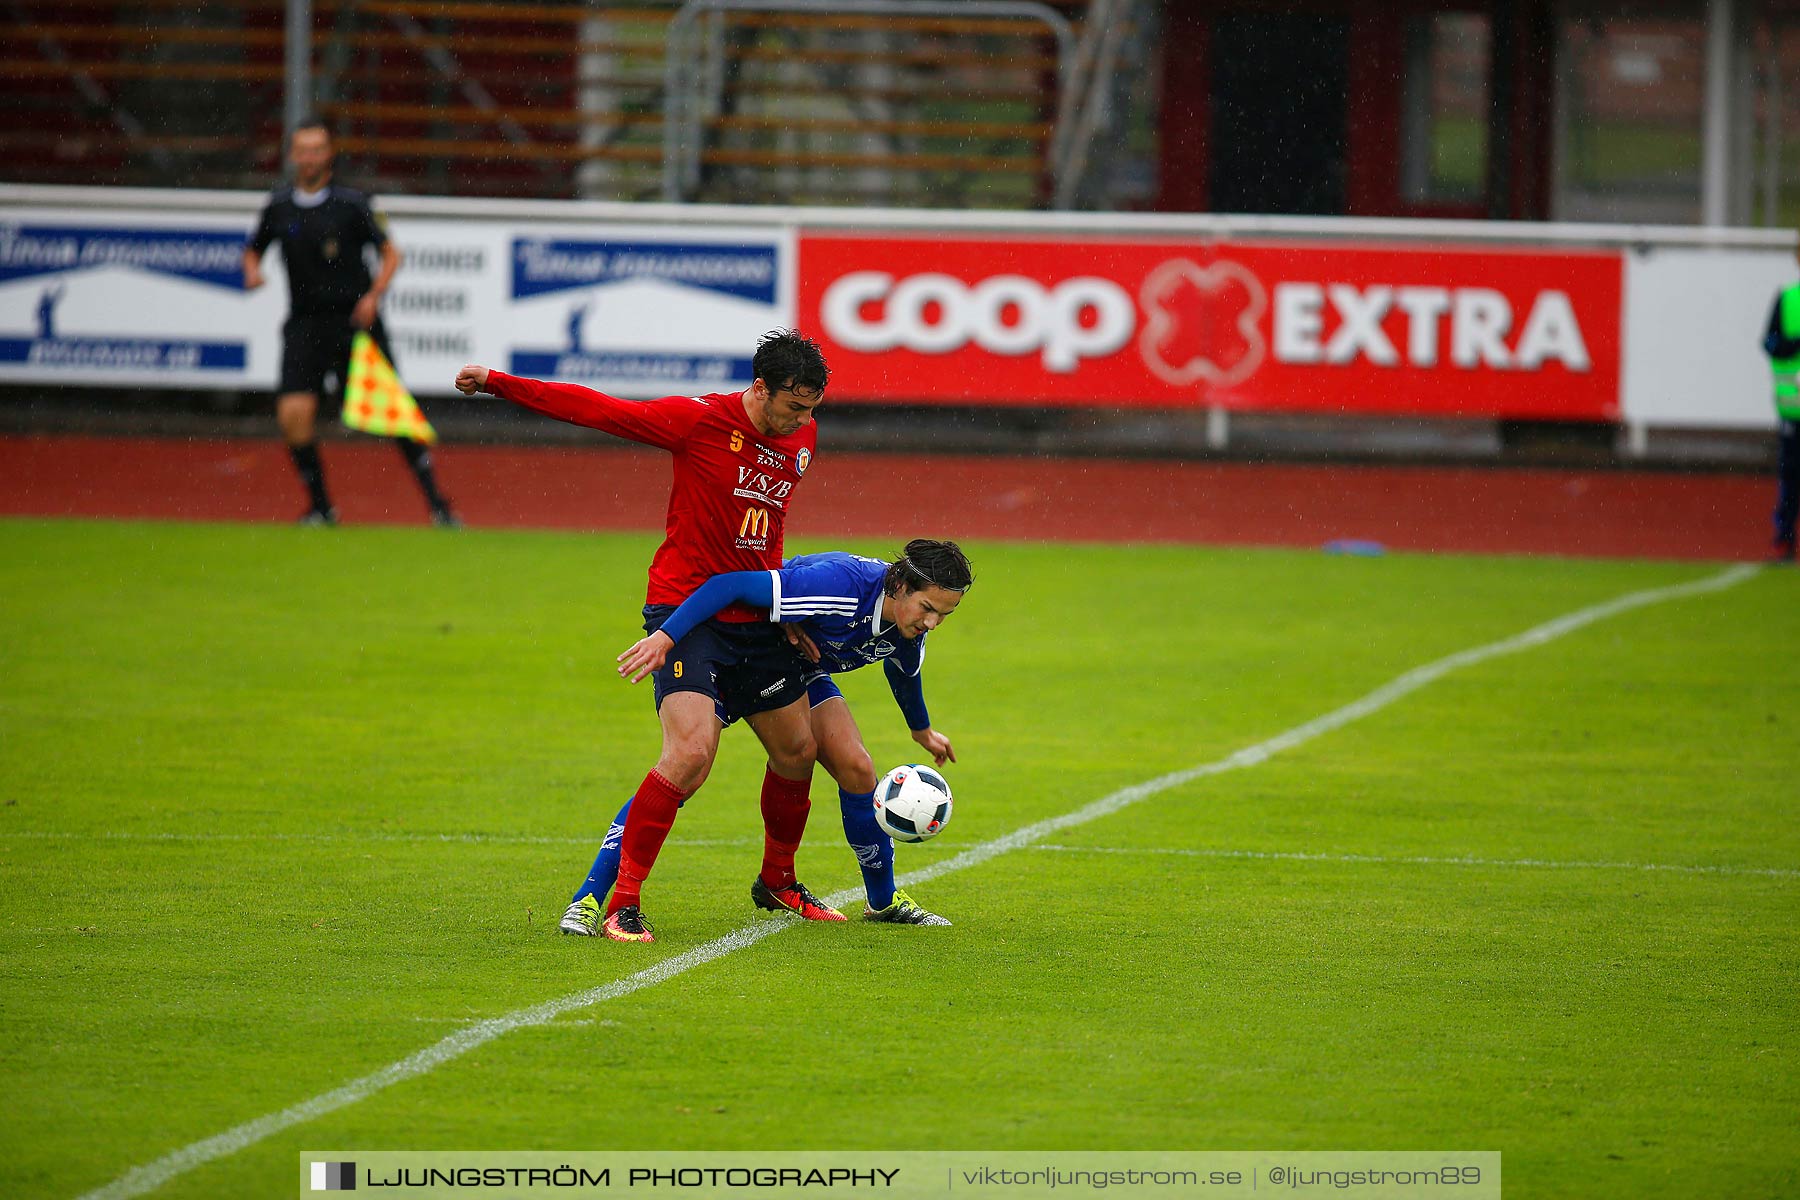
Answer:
(651, 817)
(785, 805)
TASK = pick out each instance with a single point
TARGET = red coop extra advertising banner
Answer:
(1316, 327)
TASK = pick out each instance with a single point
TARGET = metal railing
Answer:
(969, 103)
(692, 67)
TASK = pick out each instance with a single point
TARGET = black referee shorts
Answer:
(315, 353)
(746, 667)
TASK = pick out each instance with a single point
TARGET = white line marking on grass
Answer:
(1374, 702)
(150, 1176)
(1426, 860)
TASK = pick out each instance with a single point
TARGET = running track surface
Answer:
(1608, 513)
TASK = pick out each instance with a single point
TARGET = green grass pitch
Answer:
(281, 807)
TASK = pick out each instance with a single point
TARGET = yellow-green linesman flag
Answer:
(375, 401)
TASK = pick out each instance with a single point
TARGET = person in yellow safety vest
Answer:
(1782, 344)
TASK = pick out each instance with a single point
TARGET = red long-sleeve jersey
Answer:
(733, 485)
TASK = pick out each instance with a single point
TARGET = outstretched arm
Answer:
(721, 591)
(663, 423)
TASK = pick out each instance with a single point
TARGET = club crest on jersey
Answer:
(802, 460)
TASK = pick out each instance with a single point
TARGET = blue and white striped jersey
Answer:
(839, 596)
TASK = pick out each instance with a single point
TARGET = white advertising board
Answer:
(133, 298)
(142, 288)
(639, 310)
(1694, 322)
(154, 299)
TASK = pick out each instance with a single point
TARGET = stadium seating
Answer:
(545, 100)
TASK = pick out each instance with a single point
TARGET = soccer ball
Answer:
(912, 803)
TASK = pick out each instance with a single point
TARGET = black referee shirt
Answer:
(322, 247)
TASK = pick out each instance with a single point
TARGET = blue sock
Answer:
(874, 848)
(606, 863)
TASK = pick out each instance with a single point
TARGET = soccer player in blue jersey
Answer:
(846, 611)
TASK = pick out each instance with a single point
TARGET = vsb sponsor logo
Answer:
(760, 485)
(1217, 323)
(1065, 322)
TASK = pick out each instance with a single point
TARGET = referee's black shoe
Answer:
(323, 517)
(444, 517)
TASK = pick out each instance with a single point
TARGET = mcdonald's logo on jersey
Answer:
(755, 525)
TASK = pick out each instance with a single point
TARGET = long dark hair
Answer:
(925, 563)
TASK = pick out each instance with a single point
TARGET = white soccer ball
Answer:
(912, 803)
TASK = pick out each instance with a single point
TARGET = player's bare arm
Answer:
(253, 275)
(369, 306)
(645, 656)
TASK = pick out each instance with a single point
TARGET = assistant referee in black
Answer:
(323, 230)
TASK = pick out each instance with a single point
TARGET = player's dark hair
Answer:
(925, 563)
(787, 359)
(310, 121)
(305, 123)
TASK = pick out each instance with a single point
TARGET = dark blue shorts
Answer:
(746, 667)
(820, 688)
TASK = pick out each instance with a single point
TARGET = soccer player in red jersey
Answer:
(738, 459)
